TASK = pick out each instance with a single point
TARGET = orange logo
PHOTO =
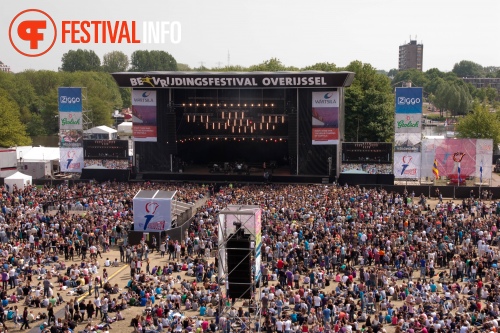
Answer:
(29, 33)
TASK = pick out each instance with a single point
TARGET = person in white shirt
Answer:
(288, 325)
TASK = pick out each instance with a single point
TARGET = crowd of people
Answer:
(334, 259)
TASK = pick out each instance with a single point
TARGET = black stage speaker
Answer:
(239, 266)
(292, 142)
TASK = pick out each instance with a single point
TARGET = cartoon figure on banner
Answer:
(457, 158)
(406, 163)
(71, 155)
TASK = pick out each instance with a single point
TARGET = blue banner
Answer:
(70, 99)
(409, 100)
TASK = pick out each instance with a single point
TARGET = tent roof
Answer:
(38, 153)
(100, 130)
(126, 123)
(19, 175)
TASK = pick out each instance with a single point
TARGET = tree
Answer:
(12, 131)
(271, 65)
(144, 61)
(80, 60)
(480, 124)
(466, 68)
(322, 66)
(453, 97)
(115, 61)
(369, 105)
(393, 72)
(183, 67)
(416, 77)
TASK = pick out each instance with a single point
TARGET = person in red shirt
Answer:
(280, 264)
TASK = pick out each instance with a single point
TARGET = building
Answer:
(411, 56)
(484, 82)
(4, 67)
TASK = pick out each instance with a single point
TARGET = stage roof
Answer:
(234, 80)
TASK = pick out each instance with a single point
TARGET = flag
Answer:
(459, 180)
(481, 172)
(435, 170)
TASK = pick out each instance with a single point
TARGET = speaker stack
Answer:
(239, 266)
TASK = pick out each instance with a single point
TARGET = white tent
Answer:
(125, 127)
(19, 179)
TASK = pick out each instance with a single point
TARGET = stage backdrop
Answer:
(153, 210)
(473, 155)
(144, 124)
(325, 118)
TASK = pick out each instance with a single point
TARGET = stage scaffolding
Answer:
(233, 220)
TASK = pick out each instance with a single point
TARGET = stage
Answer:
(205, 174)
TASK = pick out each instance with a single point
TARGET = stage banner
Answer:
(484, 154)
(144, 125)
(258, 243)
(408, 123)
(70, 138)
(449, 155)
(325, 118)
(71, 159)
(409, 100)
(407, 142)
(70, 120)
(407, 165)
(152, 214)
(70, 99)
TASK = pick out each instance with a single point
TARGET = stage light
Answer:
(216, 139)
(263, 119)
(224, 104)
(243, 139)
(211, 104)
(206, 126)
(225, 126)
(272, 104)
(251, 129)
(199, 138)
(222, 114)
(236, 115)
(183, 104)
(225, 138)
(247, 122)
(234, 123)
(207, 118)
(197, 104)
(245, 105)
(273, 127)
(260, 125)
(217, 104)
(267, 126)
(204, 104)
(282, 119)
(229, 115)
(275, 119)
(258, 105)
(232, 129)
(201, 118)
(252, 105)
(261, 139)
(241, 122)
(239, 130)
(281, 139)
(188, 118)
(231, 104)
(242, 115)
(213, 126)
(238, 105)
(245, 129)
(265, 104)
(218, 126)
(190, 104)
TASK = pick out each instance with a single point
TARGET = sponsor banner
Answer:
(258, 243)
(411, 142)
(71, 159)
(325, 99)
(407, 165)
(144, 126)
(325, 118)
(152, 214)
(408, 122)
(71, 138)
(247, 80)
(70, 99)
(409, 100)
(70, 120)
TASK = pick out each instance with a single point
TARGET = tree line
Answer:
(28, 100)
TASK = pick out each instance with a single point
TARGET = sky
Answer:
(297, 32)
